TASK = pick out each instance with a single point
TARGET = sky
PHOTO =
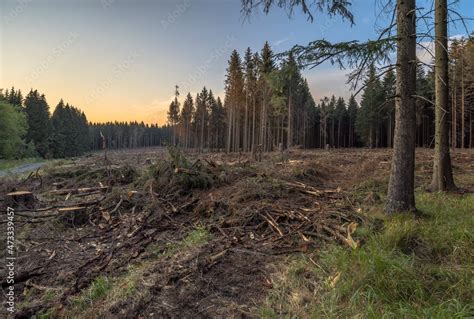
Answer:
(120, 59)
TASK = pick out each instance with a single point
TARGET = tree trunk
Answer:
(454, 119)
(253, 123)
(401, 193)
(229, 129)
(339, 133)
(470, 128)
(333, 142)
(246, 122)
(289, 134)
(462, 100)
(202, 132)
(442, 171)
(389, 131)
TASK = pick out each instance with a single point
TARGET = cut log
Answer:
(20, 199)
(84, 190)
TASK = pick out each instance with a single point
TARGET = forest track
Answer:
(24, 168)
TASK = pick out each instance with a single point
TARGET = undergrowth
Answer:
(168, 179)
(411, 268)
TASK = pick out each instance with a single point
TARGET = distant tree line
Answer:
(266, 104)
(28, 129)
(119, 135)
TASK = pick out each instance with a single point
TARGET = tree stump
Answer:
(73, 216)
(20, 199)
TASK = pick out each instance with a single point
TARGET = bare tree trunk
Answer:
(262, 121)
(289, 135)
(236, 130)
(470, 128)
(339, 133)
(333, 142)
(229, 129)
(462, 100)
(320, 132)
(442, 171)
(253, 123)
(201, 146)
(246, 122)
(401, 192)
(389, 131)
(305, 119)
(454, 141)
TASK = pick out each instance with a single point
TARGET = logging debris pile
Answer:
(90, 218)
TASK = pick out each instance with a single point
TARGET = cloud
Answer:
(279, 42)
(426, 49)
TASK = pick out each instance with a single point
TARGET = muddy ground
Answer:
(159, 233)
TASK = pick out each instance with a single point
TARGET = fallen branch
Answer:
(185, 171)
(273, 223)
(117, 206)
(85, 190)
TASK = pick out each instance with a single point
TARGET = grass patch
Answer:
(105, 294)
(98, 289)
(194, 238)
(412, 268)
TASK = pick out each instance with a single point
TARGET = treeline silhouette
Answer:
(267, 104)
(30, 130)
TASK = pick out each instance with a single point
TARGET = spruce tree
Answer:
(234, 101)
(369, 115)
(173, 114)
(250, 98)
(389, 91)
(39, 126)
(340, 118)
(186, 117)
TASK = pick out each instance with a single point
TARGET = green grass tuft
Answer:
(194, 238)
(411, 268)
(98, 289)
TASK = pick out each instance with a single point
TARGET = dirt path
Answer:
(25, 168)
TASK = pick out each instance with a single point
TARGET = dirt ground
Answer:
(153, 233)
